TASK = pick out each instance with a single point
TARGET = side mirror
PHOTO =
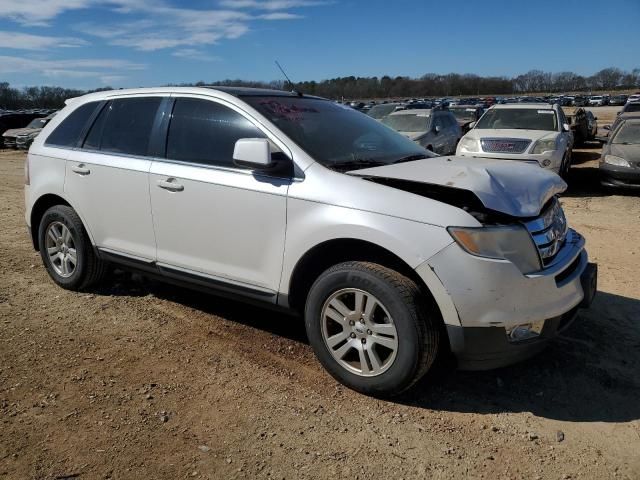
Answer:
(471, 125)
(436, 129)
(252, 153)
(566, 127)
(607, 127)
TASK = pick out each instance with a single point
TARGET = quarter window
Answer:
(124, 126)
(68, 132)
(203, 131)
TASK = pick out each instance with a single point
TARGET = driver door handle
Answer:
(81, 169)
(171, 185)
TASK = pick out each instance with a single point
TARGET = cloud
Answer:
(271, 4)
(194, 54)
(38, 12)
(280, 16)
(98, 68)
(25, 41)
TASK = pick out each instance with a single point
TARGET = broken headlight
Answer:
(513, 243)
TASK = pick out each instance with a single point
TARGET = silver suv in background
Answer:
(527, 132)
(436, 130)
(392, 255)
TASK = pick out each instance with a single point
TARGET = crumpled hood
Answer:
(511, 187)
(14, 132)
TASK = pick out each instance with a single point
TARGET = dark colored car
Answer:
(620, 160)
(382, 110)
(466, 115)
(618, 100)
(11, 120)
(579, 124)
(580, 101)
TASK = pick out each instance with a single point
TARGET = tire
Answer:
(61, 234)
(400, 316)
(565, 167)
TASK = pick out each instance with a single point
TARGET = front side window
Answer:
(124, 126)
(202, 131)
(67, 133)
(520, 119)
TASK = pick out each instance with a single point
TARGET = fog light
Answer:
(526, 331)
(546, 162)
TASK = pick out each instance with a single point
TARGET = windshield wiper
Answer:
(410, 158)
(356, 164)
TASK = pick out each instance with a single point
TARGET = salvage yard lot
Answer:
(142, 380)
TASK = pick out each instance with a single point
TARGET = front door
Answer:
(216, 223)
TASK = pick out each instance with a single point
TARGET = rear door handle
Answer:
(171, 185)
(81, 169)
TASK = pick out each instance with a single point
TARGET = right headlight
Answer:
(513, 243)
(468, 145)
(617, 161)
(544, 145)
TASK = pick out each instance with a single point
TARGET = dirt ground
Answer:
(140, 380)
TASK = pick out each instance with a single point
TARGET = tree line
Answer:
(428, 85)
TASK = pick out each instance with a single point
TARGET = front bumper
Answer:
(621, 177)
(478, 348)
(485, 297)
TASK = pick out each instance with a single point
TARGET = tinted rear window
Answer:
(124, 126)
(205, 132)
(68, 132)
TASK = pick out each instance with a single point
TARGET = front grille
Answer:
(549, 231)
(504, 145)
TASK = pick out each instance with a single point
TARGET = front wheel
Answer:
(370, 327)
(565, 166)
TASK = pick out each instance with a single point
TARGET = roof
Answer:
(628, 115)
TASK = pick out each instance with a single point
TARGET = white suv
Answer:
(392, 255)
(533, 132)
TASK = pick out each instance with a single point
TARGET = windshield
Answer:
(519, 118)
(37, 123)
(464, 113)
(408, 122)
(628, 133)
(335, 135)
(381, 111)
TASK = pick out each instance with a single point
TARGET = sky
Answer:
(132, 43)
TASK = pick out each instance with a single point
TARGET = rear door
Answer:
(107, 178)
(215, 223)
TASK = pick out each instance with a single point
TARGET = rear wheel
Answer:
(370, 328)
(565, 167)
(66, 250)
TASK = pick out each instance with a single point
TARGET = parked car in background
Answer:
(22, 137)
(389, 253)
(597, 101)
(525, 132)
(633, 98)
(618, 100)
(580, 101)
(10, 120)
(435, 130)
(620, 160)
(579, 123)
(382, 110)
(592, 125)
(466, 115)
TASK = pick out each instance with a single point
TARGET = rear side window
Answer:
(68, 132)
(124, 126)
(205, 132)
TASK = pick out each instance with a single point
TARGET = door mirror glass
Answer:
(252, 153)
(436, 129)
(471, 125)
(566, 127)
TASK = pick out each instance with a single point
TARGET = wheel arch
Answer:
(41, 205)
(331, 252)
